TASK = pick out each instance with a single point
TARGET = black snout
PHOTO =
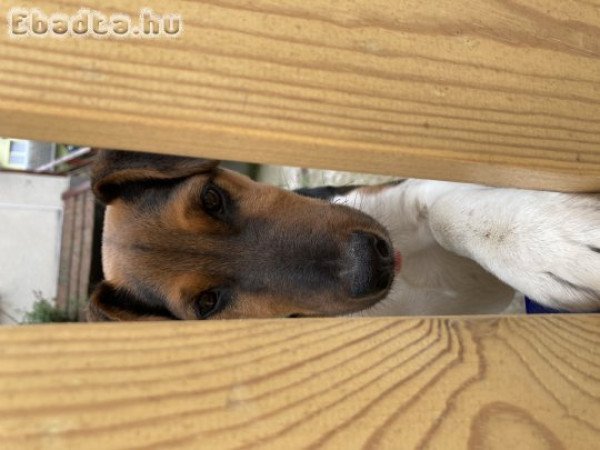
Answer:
(372, 262)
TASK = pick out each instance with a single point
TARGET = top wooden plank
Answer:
(505, 93)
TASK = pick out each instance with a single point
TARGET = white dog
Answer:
(467, 248)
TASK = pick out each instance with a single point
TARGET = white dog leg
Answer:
(544, 244)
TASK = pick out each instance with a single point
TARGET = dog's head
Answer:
(185, 239)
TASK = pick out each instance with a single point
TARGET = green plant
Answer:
(44, 311)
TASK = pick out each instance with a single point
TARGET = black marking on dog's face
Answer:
(326, 192)
(119, 174)
(594, 249)
(109, 303)
(148, 194)
(330, 192)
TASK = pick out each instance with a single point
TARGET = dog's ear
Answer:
(115, 169)
(109, 304)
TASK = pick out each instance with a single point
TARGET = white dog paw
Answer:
(553, 251)
(544, 244)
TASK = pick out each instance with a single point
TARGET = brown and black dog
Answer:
(185, 239)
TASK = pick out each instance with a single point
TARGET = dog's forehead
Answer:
(151, 244)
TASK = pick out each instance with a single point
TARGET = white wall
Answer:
(30, 227)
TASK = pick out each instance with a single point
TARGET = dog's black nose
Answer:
(372, 264)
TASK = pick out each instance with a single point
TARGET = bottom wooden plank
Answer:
(505, 383)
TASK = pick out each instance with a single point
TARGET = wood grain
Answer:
(505, 93)
(482, 383)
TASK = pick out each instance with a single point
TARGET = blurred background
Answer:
(51, 225)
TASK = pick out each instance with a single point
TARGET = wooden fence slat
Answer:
(484, 383)
(504, 93)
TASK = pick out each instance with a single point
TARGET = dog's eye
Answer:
(208, 303)
(212, 199)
